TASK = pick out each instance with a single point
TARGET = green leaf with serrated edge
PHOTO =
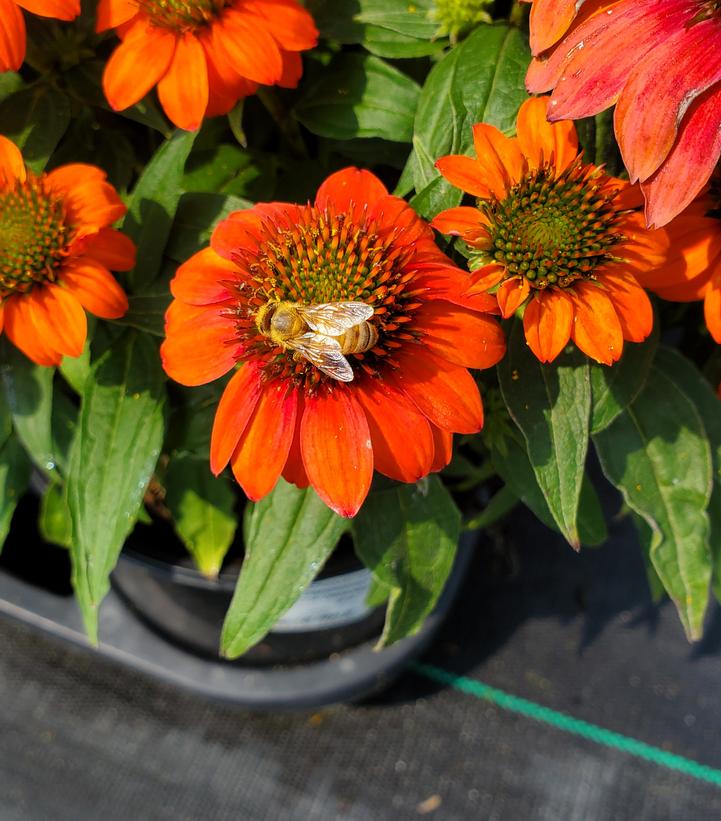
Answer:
(29, 395)
(198, 214)
(408, 536)
(514, 467)
(15, 468)
(360, 96)
(203, 511)
(614, 388)
(54, 521)
(289, 535)
(551, 404)
(708, 405)
(657, 454)
(481, 80)
(116, 446)
(153, 204)
(35, 119)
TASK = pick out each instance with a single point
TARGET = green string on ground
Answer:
(568, 724)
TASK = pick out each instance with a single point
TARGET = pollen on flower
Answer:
(325, 257)
(552, 229)
(33, 236)
(181, 15)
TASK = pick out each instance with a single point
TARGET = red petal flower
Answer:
(316, 402)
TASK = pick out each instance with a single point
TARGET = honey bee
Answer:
(322, 333)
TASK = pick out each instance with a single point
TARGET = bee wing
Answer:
(335, 318)
(324, 352)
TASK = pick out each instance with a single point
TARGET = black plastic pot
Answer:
(322, 662)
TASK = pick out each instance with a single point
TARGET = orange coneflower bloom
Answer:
(12, 25)
(393, 405)
(659, 62)
(553, 234)
(692, 269)
(56, 249)
(204, 55)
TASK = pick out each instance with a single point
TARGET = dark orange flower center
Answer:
(182, 15)
(33, 236)
(326, 257)
(551, 229)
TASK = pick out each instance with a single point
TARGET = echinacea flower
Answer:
(659, 62)
(56, 253)
(555, 235)
(12, 25)
(692, 268)
(393, 405)
(204, 55)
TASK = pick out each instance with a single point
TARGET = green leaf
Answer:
(29, 395)
(197, 216)
(514, 467)
(116, 446)
(289, 535)
(388, 28)
(74, 369)
(708, 405)
(657, 454)
(35, 119)
(551, 404)
(15, 471)
(54, 520)
(153, 204)
(203, 511)
(408, 536)
(481, 80)
(360, 95)
(10, 82)
(614, 388)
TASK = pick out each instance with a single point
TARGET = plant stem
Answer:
(285, 121)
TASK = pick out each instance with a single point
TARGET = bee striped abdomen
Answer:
(358, 339)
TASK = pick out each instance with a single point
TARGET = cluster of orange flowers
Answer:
(348, 332)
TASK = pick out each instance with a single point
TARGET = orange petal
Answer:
(247, 47)
(712, 308)
(94, 287)
(292, 69)
(465, 173)
(445, 393)
(500, 158)
(225, 85)
(512, 293)
(461, 336)
(336, 446)
(12, 167)
(542, 142)
(110, 248)
(265, 441)
(200, 344)
(25, 331)
(57, 9)
(402, 439)
(631, 302)
(234, 410)
(596, 327)
(137, 64)
(200, 280)
(547, 323)
(65, 326)
(183, 89)
(293, 471)
(463, 221)
(112, 13)
(12, 36)
(240, 230)
(350, 186)
(445, 281)
(442, 448)
(289, 23)
(90, 202)
(549, 21)
(486, 277)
